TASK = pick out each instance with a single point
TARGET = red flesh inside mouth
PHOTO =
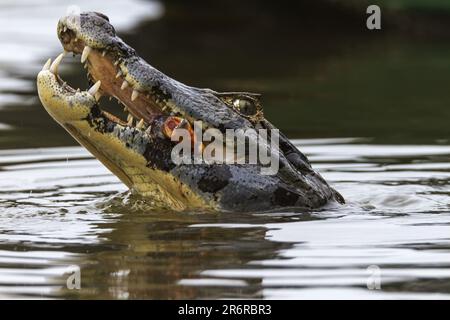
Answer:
(102, 66)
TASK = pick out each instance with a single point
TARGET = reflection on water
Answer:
(60, 208)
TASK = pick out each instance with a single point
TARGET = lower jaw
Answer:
(131, 167)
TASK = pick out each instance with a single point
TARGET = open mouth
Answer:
(108, 76)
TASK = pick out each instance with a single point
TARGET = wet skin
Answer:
(138, 150)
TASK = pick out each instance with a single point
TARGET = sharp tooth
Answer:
(140, 124)
(47, 65)
(55, 64)
(86, 51)
(75, 40)
(183, 124)
(119, 73)
(134, 95)
(130, 120)
(97, 96)
(116, 63)
(94, 89)
(130, 117)
(124, 84)
(78, 90)
(104, 53)
(125, 109)
(65, 29)
(110, 98)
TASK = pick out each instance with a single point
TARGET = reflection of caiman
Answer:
(139, 151)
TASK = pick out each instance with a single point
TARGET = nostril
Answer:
(65, 38)
(66, 35)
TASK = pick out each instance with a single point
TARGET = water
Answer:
(62, 211)
(62, 208)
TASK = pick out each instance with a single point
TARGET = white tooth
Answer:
(78, 90)
(134, 95)
(104, 53)
(47, 65)
(119, 73)
(130, 121)
(94, 89)
(55, 64)
(75, 40)
(116, 63)
(125, 109)
(65, 29)
(182, 124)
(124, 84)
(140, 124)
(97, 96)
(130, 117)
(86, 51)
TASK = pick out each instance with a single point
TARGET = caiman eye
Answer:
(245, 107)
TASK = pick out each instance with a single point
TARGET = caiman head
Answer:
(138, 149)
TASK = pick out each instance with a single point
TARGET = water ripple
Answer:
(60, 207)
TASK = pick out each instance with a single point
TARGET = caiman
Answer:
(138, 150)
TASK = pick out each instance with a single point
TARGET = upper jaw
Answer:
(106, 61)
(145, 92)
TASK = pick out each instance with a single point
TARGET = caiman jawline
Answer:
(111, 79)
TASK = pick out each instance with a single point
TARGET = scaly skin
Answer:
(139, 153)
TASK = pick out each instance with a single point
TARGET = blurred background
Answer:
(370, 109)
(322, 73)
